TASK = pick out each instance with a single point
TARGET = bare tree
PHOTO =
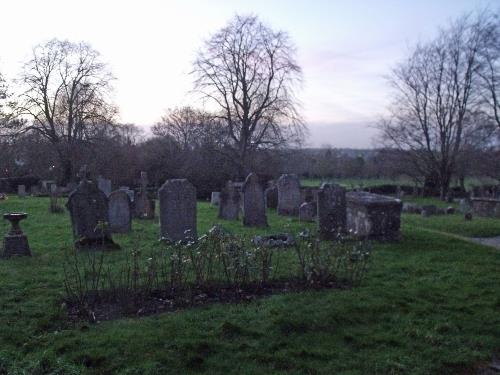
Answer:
(435, 96)
(489, 70)
(65, 88)
(249, 73)
(189, 127)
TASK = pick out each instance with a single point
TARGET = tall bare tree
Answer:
(436, 93)
(249, 73)
(65, 98)
(489, 70)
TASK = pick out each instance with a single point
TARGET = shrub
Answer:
(217, 262)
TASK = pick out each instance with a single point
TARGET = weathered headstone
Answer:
(288, 195)
(21, 191)
(120, 212)
(88, 207)
(177, 210)
(144, 206)
(229, 205)
(215, 198)
(332, 211)
(307, 211)
(271, 194)
(104, 184)
(254, 207)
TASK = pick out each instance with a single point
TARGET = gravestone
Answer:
(332, 211)
(120, 212)
(177, 210)
(105, 185)
(144, 206)
(486, 207)
(129, 192)
(271, 194)
(288, 195)
(373, 216)
(254, 207)
(21, 191)
(307, 211)
(215, 198)
(88, 207)
(229, 204)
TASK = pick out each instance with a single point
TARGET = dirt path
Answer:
(486, 241)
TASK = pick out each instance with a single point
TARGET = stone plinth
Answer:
(15, 242)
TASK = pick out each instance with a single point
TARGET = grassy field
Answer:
(430, 305)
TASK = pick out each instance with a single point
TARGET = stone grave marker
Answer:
(229, 205)
(289, 199)
(104, 184)
(332, 211)
(144, 206)
(88, 207)
(177, 210)
(307, 211)
(254, 208)
(120, 212)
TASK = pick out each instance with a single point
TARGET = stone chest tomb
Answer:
(373, 216)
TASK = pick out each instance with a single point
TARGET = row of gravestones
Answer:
(330, 206)
(95, 216)
(286, 196)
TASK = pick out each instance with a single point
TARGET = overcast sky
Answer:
(344, 48)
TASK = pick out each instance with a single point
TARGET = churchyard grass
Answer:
(429, 305)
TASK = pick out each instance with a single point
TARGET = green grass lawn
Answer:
(430, 305)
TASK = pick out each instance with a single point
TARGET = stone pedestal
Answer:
(15, 242)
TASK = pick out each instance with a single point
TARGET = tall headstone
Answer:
(229, 205)
(332, 211)
(120, 212)
(289, 199)
(88, 207)
(21, 191)
(104, 184)
(254, 207)
(177, 210)
(144, 205)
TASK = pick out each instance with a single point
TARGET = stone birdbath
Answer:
(15, 241)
